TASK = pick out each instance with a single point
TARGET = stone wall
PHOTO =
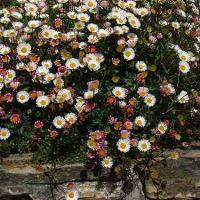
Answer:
(20, 180)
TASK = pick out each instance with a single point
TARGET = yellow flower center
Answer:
(149, 100)
(127, 53)
(24, 50)
(90, 4)
(144, 146)
(22, 97)
(72, 65)
(139, 122)
(123, 145)
(183, 67)
(106, 162)
(59, 122)
(43, 102)
(118, 93)
(4, 133)
(71, 194)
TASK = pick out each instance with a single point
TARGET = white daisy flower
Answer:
(141, 66)
(72, 195)
(71, 118)
(94, 65)
(83, 17)
(46, 33)
(144, 145)
(150, 100)
(140, 121)
(89, 94)
(42, 101)
(64, 94)
(176, 25)
(49, 77)
(17, 25)
(72, 15)
(162, 127)
(79, 106)
(10, 75)
(59, 122)
(34, 24)
(91, 4)
(4, 133)
(31, 66)
(183, 97)
(22, 97)
(92, 28)
(107, 162)
(134, 22)
(142, 12)
(184, 67)
(119, 92)
(143, 91)
(72, 63)
(24, 49)
(129, 54)
(123, 145)
(184, 56)
(42, 71)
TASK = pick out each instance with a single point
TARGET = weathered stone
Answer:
(19, 178)
(178, 179)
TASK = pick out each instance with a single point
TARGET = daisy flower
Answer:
(184, 56)
(107, 162)
(183, 97)
(65, 94)
(140, 121)
(24, 49)
(142, 12)
(150, 100)
(134, 22)
(42, 101)
(144, 145)
(129, 54)
(176, 25)
(162, 127)
(72, 195)
(94, 65)
(72, 63)
(22, 97)
(91, 4)
(4, 133)
(184, 67)
(143, 91)
(47, 63)
(83, 17)
(141, 66)
(92, 28)
(59, 122)
(89, 94)
(119, 92)
(123, 145)
(10, 75)
(34, 24)
(71, 118)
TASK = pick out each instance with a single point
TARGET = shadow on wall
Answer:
(19, 197)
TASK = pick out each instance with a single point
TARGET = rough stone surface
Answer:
(178, 179)
(19, 180)
(175, 180)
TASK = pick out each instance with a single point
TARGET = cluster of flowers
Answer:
(128, 59)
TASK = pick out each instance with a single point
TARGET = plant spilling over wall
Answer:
(119, 78)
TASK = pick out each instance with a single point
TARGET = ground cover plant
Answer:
(111, 83)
